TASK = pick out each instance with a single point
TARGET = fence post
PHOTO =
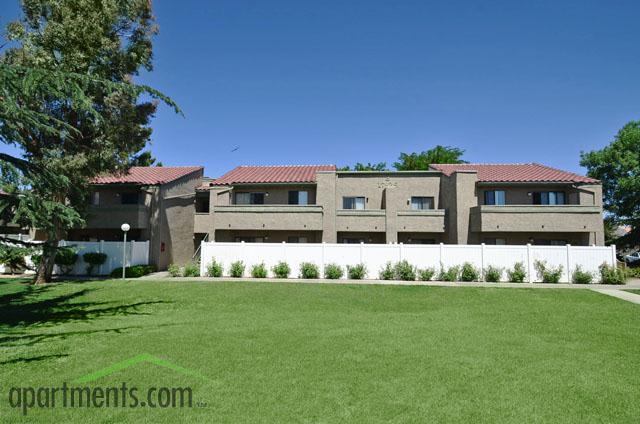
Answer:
(101, 250)
(482, 262)
(322, 260)
(613, 255)
(361, 252)
(529, 263)
(441, 248)
(568, 263)
(400, 252)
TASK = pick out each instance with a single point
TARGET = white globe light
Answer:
(125, 227)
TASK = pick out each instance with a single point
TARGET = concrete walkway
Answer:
(620, 294)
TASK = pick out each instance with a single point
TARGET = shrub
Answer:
(469, 273)
(426, 274)
(66, 259)
(281, 270)
(309, 270)
(633, 272)
(546, 273)
(450, 274)
(387, 273)
(94, 259)
(173, 269)
(405, 271)
(492, 274)
(214, 269)
(333, 272)
(14, 257)
(134, 271)
(357, 272)
(237, 269)
(517, 274)
(581, 277)
(259, 270)
(191, 270)
(612, 274)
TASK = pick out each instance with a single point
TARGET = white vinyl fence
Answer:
(137, 254)
(375, 256)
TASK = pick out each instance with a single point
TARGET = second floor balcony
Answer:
(536, 218)
(112, 216)
(270, 217)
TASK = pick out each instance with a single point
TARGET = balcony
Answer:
(112, 216)
(428, 220)
(269, 217)
(202, 222)
(360, 220)
(536, 218)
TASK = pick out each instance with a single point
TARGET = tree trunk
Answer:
(45, 268)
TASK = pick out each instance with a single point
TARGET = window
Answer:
(249, 239)
(129, 198)
(548, 198)
(249, 198)
(418, 203)
(95, 198)
(494, 197)
(296, 239)
(420, 241)
(353, 203)
(495, 241)
(298, 197)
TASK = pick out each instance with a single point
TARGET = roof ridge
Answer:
(486, 163)
(284, 166)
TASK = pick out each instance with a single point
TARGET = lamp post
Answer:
(124, 227)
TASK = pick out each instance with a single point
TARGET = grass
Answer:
(328, 353)
(635, 291)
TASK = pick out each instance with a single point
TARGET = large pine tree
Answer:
(70, 105)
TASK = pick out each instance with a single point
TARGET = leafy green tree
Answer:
(69, 104)
(380, 166)
(421, 161)
(618, 167)
(145, 159)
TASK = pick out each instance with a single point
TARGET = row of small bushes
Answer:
(133, 271)
(404, 271)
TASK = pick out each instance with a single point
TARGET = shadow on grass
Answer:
(34, 305)
(17, 339)
(32, 359)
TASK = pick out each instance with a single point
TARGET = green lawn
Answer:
(635, 291)
(266, 352)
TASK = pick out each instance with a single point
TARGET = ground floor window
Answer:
(296, 239)
(495, 241)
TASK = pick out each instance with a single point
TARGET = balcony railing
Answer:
(271, 217)
(536, 218)
(426, 220)
(112, 216)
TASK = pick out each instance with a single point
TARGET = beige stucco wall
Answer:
(172, 221)
(388, 209)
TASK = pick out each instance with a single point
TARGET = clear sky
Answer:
(298, 82)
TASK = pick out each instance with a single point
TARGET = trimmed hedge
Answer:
(133, 271)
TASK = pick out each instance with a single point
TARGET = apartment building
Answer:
(457, 204)
(157, 202)
(175, 208)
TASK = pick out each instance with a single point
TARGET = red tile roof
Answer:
(147, 175)
(521, 172)
(273, 174)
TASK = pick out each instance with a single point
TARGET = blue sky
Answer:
(344, 81)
